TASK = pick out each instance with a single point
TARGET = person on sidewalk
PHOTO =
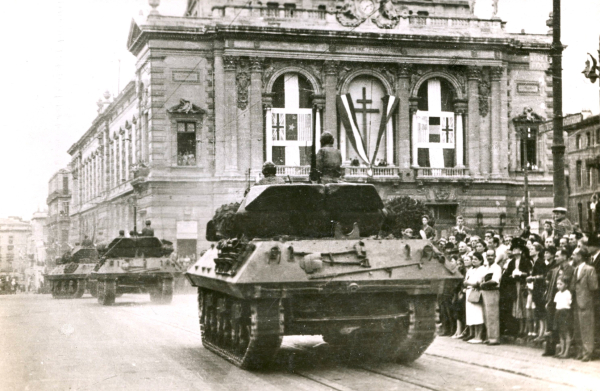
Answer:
(560, 268)
(586, 285)
(563, 300)
(490, 292)
(474, 308)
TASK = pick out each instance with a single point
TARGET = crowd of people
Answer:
(532, 287)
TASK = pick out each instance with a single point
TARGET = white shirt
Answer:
(496, 271)
(563, 300)
(579, 267)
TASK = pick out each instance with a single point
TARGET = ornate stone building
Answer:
(420, 94)
(58, 219)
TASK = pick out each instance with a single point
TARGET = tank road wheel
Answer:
(80, 289)
(247, 333)
(93, 288)
(106, 292)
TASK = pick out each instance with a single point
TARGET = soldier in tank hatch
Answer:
(329, 160)
(270, 177)
(148, 230)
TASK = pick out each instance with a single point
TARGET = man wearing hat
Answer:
(562, 225)
(270, 177)
(329, 160)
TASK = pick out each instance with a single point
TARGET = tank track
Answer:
(162, 293)
(107, 290)
(68, 289)
(406, 343)
(247, 333)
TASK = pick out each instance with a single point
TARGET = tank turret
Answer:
(306, 259)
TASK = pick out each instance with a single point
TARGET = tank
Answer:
(70, 278)
(306, 259)
(136, 265)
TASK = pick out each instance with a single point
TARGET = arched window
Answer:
(367, 94)
(435, 127)
(289, 122)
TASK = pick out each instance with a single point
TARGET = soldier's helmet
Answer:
(269, 169)
(326, 138)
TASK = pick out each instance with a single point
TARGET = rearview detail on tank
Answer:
(136, 265)
(305, 259)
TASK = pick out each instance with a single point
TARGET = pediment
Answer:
(186, 107)
(529, 116)
(134, 33)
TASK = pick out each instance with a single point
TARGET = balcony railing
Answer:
(240, 12)
(293, 170)
(442, 172)
(379, 172)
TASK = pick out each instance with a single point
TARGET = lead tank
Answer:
(305, 259)
(138, 264)
(70, 278)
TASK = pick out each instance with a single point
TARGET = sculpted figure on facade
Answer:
(347, 15)
(388, 16)
(243, 82)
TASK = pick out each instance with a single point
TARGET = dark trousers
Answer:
(554, 338)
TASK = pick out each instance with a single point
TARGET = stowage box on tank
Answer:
(136, 265)
(288, 267)
(70, 278)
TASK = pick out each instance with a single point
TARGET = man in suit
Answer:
(586, 285)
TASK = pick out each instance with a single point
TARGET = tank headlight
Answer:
(125, 265)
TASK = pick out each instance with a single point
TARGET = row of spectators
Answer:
(539, 287)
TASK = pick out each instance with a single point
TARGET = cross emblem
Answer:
(363, 110)
(278, 128)
(448, 131)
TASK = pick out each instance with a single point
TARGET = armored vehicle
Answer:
(306, 259)
(70, 278)
(136, 265)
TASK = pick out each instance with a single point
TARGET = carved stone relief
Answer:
(484, 95)
(242, 81)
(312, 67)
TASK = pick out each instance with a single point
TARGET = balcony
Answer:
(351, 172)
(451, 173)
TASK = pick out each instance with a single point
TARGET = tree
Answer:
(404, 212)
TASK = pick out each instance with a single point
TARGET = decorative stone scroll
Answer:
(484, 95)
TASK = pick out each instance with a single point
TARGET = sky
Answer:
(60, 56)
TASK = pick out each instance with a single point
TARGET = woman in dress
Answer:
(474, 311)
(427, 232)
(514, 278)
(538, 277)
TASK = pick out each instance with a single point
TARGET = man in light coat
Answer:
(586, 285)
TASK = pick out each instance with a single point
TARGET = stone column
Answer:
(413, 107)
(231, 164)
(460, 109)
(219, 104)
(242, 119)
(267, 100)
(496, 74)
(330, 69)
(403, 117)
(319, 103)
(256, 116)
(472, 122)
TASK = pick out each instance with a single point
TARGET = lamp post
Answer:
(558, 144)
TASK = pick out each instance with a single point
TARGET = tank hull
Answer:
(370, 297)
(154, 276)
(70, 281)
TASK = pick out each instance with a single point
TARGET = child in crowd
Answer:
(563, 316)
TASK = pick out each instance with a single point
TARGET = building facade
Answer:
(34, 274)
(583, 162)
(57, 219)
(421, 98)
(15, 250)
